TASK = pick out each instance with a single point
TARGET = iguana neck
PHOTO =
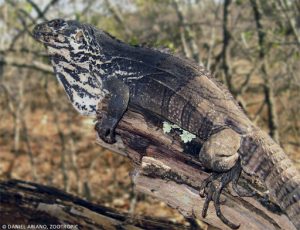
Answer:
(261, 156)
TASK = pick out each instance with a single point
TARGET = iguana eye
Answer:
(79, 37)
(57, 23)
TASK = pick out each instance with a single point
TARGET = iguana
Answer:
(93, 66)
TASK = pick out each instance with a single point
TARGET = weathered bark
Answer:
(24, 205)
(165, 169)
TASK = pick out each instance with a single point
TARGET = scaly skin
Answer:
(264, 158)
(93, 67)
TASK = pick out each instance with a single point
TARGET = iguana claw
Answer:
(213, 190)
(240, 192)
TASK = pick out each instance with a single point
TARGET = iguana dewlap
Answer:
(93, 66)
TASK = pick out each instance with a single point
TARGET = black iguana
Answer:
(93, 66)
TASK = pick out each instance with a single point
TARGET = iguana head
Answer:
(74, 55)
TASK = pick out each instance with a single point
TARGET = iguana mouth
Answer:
(44, 37)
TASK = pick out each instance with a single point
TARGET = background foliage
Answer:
(252, 46)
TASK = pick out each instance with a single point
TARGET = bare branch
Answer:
(21, 63)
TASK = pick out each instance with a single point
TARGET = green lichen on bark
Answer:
(185, 135)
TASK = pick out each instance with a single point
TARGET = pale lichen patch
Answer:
(167, 127)
(185, 136)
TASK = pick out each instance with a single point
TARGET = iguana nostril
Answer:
(40, 29)
(35, 31)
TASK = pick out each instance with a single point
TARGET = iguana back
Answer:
(186, 94)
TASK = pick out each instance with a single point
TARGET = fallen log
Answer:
(26, 205)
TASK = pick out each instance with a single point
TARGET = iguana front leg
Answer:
(220, 154)
(111, 108)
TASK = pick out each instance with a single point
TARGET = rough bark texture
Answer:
(25, 205)
(169, 170)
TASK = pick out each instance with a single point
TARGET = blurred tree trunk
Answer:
(225, 54)
(268, 84)
(187, 35)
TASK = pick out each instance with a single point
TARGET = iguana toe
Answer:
(241, 192)
(212, 188)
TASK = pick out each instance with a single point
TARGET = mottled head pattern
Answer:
(74, 55)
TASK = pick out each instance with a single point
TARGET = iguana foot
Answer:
(106, 129)
(220, 154)
(213, 186)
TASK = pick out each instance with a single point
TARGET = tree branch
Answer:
(36, 65)
(169, 170)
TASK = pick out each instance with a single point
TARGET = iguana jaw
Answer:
(83, 87)
(85, 92)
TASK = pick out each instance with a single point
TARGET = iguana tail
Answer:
(261, 156)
